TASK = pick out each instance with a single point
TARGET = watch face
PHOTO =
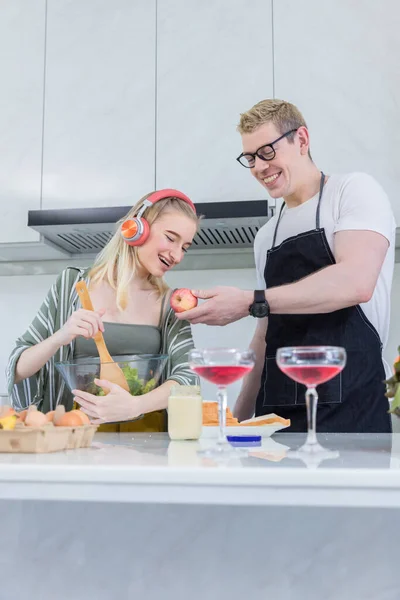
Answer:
(260, 309)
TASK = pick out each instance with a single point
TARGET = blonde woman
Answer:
(131, 308)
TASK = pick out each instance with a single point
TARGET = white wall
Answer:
(22, 47)
(338, 61)
(95, 111)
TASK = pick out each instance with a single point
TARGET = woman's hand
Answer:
(85, 323)
(118, 405)
(82, 322)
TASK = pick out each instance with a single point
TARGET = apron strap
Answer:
(321, 188)
(277, 224)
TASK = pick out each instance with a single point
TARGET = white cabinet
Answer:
(338, 62)
(214, 61)
(22, 42)
(99, 129)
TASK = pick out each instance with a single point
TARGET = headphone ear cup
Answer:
(145, 233)
(135, 231)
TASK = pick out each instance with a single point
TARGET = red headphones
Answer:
(135, 231)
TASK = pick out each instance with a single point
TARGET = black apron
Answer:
(354, 400)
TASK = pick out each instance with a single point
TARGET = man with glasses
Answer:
(324, 268)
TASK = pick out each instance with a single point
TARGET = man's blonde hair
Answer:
(117, 262)
(284, 115)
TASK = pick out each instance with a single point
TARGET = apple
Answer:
(182, 300)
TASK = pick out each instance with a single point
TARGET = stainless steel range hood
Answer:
(225, 240)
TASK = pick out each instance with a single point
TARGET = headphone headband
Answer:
(161, 195)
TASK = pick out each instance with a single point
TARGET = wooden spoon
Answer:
(108, 368)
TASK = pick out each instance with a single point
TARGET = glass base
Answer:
(223, 449)
(311, 447)
(313, 455)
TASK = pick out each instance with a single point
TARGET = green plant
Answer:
(393, 387)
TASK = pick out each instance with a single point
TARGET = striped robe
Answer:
(47, 389)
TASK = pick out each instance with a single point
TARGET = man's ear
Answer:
(304, 139)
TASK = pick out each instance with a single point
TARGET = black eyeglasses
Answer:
(266, 152)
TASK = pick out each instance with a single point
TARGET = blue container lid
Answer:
(244, 440)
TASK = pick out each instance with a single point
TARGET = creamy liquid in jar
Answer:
(185, 413)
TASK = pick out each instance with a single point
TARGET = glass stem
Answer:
(311, 402)
(222, 405)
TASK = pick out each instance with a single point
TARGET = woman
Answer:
(131, 308)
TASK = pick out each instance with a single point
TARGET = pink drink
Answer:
(222, 374)
(311, 375)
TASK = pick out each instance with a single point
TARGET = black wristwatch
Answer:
(260, 306)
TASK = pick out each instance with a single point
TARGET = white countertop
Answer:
(149, 468)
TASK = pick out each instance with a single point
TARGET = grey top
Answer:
(122, 339)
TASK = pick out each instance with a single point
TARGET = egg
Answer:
(69, 420)
(34, 418)
(50, 415)
(83, 416)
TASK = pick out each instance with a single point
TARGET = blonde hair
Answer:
(117, 262)
(284, 115)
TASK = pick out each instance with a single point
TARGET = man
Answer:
(324, 266)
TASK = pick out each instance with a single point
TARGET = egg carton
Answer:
(35, 440)
(80, 437)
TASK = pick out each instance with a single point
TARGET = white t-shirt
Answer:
(353, 201)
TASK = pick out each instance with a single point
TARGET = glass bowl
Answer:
(142, 372)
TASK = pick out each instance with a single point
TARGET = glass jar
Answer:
(185, 412)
